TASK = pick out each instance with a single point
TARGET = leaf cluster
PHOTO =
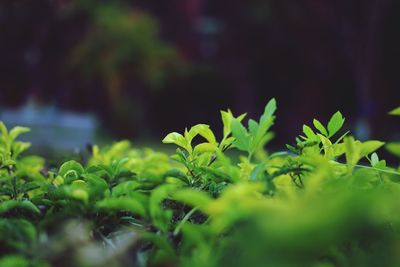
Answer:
(327, 200)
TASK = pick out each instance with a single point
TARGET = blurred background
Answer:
(85, 71)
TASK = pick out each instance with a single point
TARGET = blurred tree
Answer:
(122, 47)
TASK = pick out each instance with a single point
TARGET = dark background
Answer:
(149, 67)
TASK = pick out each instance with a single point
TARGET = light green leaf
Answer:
(352, 152)
(204, 147)
(96, 186)
(320, 127)
(327, 146)
(227, 118)
(395, 111)
(253, 127)
(335, 123)
(258, 132)
(18, 130)
(3, 130)
(203, 130)
(9, 162)
(394, 148)
(374, 159)
(338, 149)
(355, 150)
(125, 188)
(79, 194)
(370, 146)
(242, 138)
(71, 170)
(309, 132)
(269, 109)
(19, 147)
(177, 139)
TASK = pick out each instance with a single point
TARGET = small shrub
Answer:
(312, 204)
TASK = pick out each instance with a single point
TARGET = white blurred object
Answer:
(52, 127)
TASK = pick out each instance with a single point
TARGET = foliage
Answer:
(314, 205)
(120, 43)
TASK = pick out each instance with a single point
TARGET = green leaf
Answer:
(374, 159)
(395, 111)
(394, 148)
(19, 147)
(327, 146)
(309, 132)
(204, 147)
(370, 146)
(253, 127)
(335, 123)
(227, 118)
(257, 174)
(242, 138)
(355, 150)
(352, 151)
(30, 186)
(18, 130)
(14, 261)
(175, 173)
(125, 188)
(17, 234)
(177, 139)
(8, 205)
(266, 121)
(216, 173)
(9, 162)
(193, 198)
(122, 204)
(338, 149)
(79, 194)
(320, 127)
(269, 110)
(71, 170)
(203, 130)
(161, 216)
(96, 186)
(4, 131)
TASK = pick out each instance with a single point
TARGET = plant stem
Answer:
(187, 217)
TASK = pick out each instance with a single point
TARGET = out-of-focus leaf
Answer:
(25, 205)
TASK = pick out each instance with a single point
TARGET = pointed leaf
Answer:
(239, 132)
(370, 146)
(320, 127)
(335, 123)
(270, 108)
(395, 111)
(308, 132)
